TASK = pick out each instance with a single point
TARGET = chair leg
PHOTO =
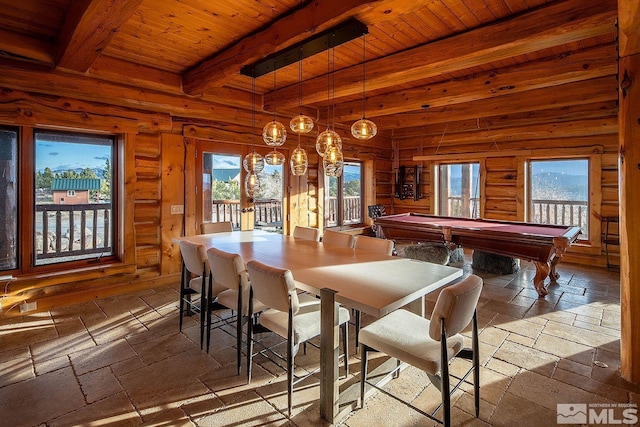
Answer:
(249, 347)
(363, 372)
(182, 294)
(345, 346)
(476, 363)
(290, 377)
(445, 388)
(209, 292)
(239, 341)
(358, 319)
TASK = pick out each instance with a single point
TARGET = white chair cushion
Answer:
(306, 325)
(196, 284)
(405, 336)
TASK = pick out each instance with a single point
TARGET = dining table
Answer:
(375, 284)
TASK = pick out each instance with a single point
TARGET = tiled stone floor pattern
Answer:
(121, 361)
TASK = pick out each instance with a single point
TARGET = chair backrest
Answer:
(194, 256)
(336, 238)
(306, 233)
(215, 227)
(373, 244)
(455, 306)
(274, 287)
(226, 268)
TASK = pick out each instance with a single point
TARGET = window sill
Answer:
(52, 278)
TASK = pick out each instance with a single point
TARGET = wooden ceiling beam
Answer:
(295, 27)
(24, 47)
(602, 89)
(546, 27)
(596, 110)
(25, 77)
(88, 28)
(582, 65)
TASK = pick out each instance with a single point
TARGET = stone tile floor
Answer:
(121, 361)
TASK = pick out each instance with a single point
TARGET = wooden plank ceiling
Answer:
(429, 63)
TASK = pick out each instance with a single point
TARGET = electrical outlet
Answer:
(6, 278)
(28, 306)
(177, 209)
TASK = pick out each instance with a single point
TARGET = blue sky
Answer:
(65, 155)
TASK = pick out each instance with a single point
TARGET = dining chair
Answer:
(373, 244)
(306, 233)
(275, 288)
(430, 345)
(215, 227)
(229, 280)
(337, 239)
(195, 270)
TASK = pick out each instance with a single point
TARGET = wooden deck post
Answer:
(629, 181)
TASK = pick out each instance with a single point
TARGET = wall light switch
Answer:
(177, 209)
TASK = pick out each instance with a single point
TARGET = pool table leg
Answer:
(542, 271)
(553, 274)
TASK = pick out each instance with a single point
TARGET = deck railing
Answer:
(562, 212)
(73, 231)
(352, 210)
(455, 204)
(266, 212)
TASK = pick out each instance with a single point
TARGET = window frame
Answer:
(592, 245)
(27, 204)
(339, 198)
(438, 190)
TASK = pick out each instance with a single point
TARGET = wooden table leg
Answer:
(329, 354)
(542, 271)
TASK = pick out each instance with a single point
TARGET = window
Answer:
(459, 190)
(344, 197)
(559, 193)
(221, 181)
(73, 218)
(9, 195)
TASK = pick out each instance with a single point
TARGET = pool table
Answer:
(542, 244)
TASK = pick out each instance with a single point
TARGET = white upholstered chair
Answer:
(337, 239)
(373, 244)
(430, 345)
(215, 227)
(195, 270)
(306, 233)
(229, 280)
(275, 288)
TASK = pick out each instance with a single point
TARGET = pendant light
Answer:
(274, 158)
(333, 162)
(253, 162)
(364, 128)
(300, 123)
(299, 160)
(328, 137)
(274, 133)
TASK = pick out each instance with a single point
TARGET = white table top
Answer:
(372, 283)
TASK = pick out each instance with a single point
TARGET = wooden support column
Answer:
(629, 182)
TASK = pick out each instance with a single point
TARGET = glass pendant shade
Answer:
(364, 129)
(326, 139)
(251, 184)
(301, 124)
(299, 162)
(253, 162)
(274, 134)
(274, 158)
(333, 161)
